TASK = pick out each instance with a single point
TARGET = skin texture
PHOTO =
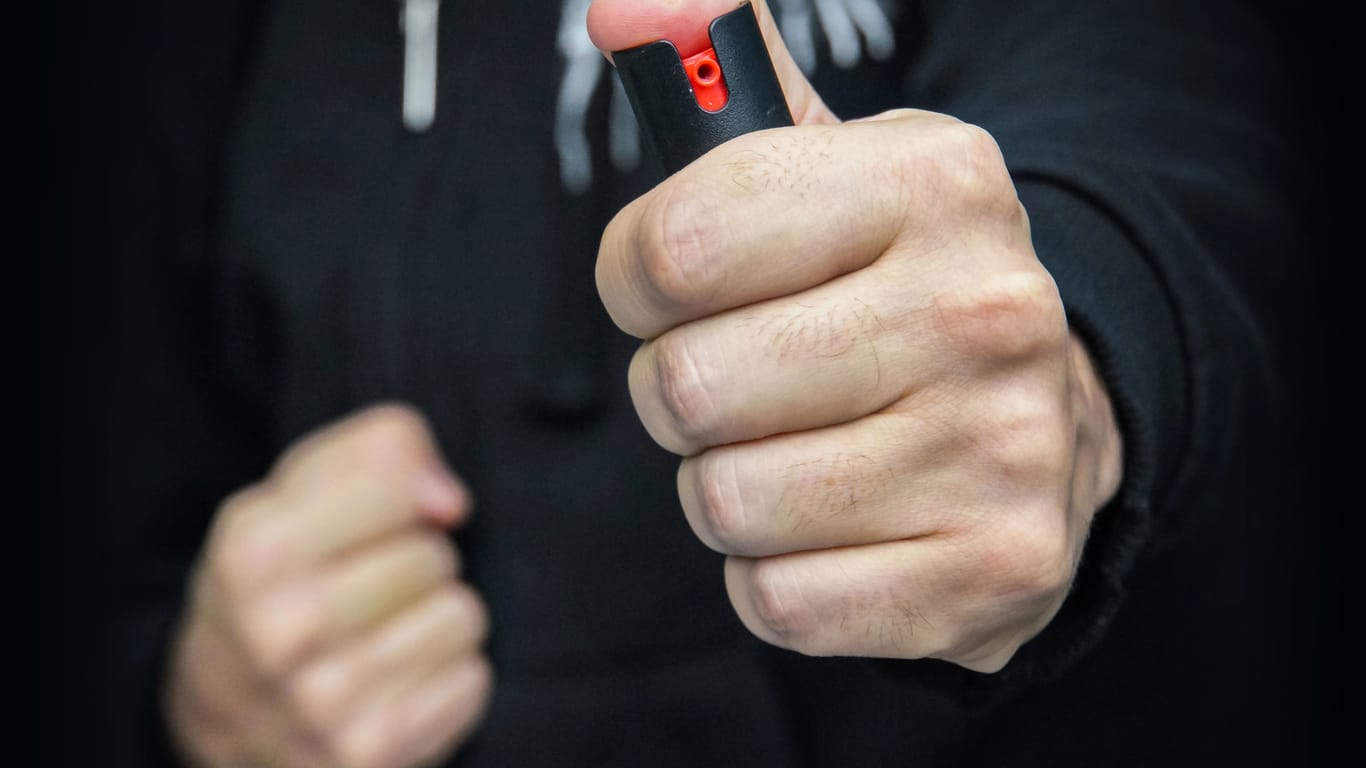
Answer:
(886, 423)
(328, 625)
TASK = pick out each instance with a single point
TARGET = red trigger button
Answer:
(708, 86)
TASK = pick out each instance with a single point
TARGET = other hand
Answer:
(327, 624)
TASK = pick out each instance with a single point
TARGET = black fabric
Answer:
(302, 255)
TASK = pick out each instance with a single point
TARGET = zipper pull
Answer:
(417, 23)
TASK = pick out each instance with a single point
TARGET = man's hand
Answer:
(327, 626)
(887, 424)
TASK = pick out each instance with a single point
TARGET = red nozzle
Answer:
(708, 86)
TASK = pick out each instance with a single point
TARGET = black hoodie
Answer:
(313, 256)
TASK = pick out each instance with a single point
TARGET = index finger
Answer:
(765, 215)
(390, 442)
(268, 535)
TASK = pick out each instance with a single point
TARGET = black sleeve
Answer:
(185, 435)
(1143, 140)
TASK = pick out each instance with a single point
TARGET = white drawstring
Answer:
(583, 69)
(794, 21)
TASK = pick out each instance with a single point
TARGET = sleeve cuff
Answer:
(1119, 306)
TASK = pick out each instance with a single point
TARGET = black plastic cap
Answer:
(676, 129)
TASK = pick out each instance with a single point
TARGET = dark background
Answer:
(96, 219)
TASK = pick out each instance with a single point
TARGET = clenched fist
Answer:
(887, 424)
(327, 625)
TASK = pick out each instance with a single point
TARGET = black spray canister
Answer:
(688, 102)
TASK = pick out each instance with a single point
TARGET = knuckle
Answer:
(979, 146)
(1006, 317)
(1031, 560)
(467, 612)
(782, 612)
(684, 390)
(722, 515)
(392, 427)
(246, 543)
(1027, 439)
(242, 505)
(972, 165)
(319, 695)
(1034, 298)
(272, 633)
(678, 246)
(899, 113)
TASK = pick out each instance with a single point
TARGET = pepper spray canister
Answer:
(688, 102)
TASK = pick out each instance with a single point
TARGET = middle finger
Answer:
(826, 356)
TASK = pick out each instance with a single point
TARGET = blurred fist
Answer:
(327, 624)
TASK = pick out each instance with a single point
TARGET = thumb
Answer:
(616, 25)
